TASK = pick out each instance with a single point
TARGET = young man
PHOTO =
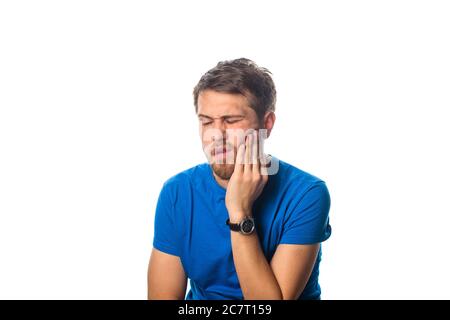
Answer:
(244, 225)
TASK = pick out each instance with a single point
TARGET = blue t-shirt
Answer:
(190, 223)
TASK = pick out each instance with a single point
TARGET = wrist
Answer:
(238, 216)
(245, 227)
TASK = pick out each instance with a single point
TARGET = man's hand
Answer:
(248, 180)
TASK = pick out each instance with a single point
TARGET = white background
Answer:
(96, 113)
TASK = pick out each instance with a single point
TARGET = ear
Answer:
(269, 121)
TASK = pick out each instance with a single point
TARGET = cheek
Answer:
(236, 136)
(206, 135)
(209, 135)
(203, 137)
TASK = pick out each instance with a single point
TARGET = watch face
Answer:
(247, 226)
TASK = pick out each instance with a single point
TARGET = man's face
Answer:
(223, 120)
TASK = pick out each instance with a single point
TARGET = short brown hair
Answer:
(241, 76)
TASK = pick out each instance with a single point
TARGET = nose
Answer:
(214, 133)
(219, 130)
(219, 124)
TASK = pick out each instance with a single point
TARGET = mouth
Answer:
(220, 153)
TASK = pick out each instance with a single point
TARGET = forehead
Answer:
(214, 104)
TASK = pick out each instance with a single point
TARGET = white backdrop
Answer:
(96, 113)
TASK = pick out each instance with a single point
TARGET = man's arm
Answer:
(283, 279)
(166, 277)
(255, 275)
(291, 266)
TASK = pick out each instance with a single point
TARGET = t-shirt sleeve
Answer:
(165, 235)
(308, 222)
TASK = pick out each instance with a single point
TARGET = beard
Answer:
(223, 166)
(223, 171)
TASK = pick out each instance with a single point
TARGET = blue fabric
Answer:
(190, 223)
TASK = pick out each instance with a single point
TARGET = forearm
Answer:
(255, 275)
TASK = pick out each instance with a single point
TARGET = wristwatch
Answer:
(245, 226)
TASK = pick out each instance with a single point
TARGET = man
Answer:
(244, 225)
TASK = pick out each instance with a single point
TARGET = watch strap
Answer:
(233, 226)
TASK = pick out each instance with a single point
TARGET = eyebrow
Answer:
(223, 117)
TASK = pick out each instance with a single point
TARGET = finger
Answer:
(248, 152)
(255, 160)
(239, 165)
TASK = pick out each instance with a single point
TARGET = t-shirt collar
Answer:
(217, 189)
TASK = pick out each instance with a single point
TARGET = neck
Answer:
(222, 182)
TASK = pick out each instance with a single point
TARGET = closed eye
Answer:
(231, 121)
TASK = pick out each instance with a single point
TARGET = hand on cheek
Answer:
(247, 182)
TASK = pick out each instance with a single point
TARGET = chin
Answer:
(223, 171)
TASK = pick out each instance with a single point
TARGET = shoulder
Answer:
(297, 179)
(187, 175)
(299, 188)
(184, 180)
